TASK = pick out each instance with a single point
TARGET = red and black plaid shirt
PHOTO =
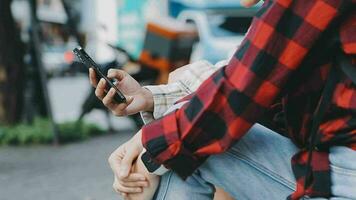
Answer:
(284, 60)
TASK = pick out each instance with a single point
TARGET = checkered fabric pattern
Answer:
(185, 82)
(164, 96)
(284, 59)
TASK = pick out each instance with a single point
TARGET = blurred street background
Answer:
(74, 171)
(55, 135)
(71, 171)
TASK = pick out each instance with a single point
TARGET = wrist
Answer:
(150, 165)
(137, 141)
(149, 104)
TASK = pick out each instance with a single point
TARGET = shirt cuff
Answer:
(196, 74)
(161, 140)
(164, 96)
(147, 117)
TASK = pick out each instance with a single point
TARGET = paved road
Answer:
(70, 172)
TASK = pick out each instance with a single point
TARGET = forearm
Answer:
(153, 182)
(163, 97)
(181, 83)
(233, 99)
(217, 125)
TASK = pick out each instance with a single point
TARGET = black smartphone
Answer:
(88, 62)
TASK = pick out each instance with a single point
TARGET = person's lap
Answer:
(257, 167)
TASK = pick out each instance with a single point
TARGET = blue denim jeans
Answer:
(257, 167)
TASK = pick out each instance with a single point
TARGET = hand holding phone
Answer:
(89, 62)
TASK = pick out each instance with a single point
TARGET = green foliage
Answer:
(74, 131)
(40, 132)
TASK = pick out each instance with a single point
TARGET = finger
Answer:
(115, 160)
(134, 184)
(119, 188)
(115, 185)
(124, 189)
(109, 98)
(126, 163)
(109, 102)
(92, 77)
(131, 109)
(129, 100)
(134, 177)
(100, 89)
(117, 74)
(120, 109)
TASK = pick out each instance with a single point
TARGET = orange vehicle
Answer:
(167, 46)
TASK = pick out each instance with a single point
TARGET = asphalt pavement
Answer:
(77, 171)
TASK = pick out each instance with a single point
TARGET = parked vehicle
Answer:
(221, 26)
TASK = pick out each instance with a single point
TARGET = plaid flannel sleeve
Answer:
(164, 96)
(226, 105)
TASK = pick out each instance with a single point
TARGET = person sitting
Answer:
(154, 102)
(298, 56)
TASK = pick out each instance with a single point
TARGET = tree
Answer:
(12, 67)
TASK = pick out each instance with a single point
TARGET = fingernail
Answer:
(112, 91)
